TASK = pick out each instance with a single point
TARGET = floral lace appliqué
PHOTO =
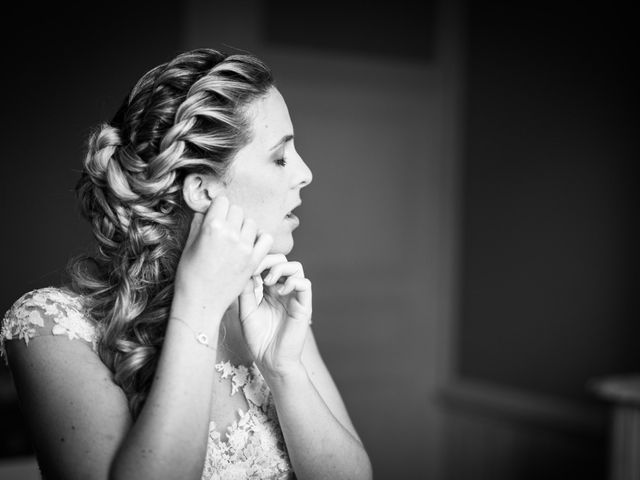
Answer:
(254, 447)
(46, 306)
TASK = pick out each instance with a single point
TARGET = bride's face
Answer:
(266, 175)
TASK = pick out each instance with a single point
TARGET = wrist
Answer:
(203, 337)
(198, 308)
(284, 375)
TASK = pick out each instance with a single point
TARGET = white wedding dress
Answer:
(254, 447)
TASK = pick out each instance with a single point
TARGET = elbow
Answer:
(367, 469)
(362, 468)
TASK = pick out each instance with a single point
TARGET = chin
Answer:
(282, 245)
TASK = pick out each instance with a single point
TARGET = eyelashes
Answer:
(281, 162)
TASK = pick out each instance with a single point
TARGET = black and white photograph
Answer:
(260, 240)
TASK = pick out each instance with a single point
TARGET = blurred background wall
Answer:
(547, 297)
(471, 224)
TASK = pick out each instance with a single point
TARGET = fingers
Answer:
(222, 209)
(288, 269)
(262, 247)
(295, 283)
(235, 217)
(222, 212)
(269, 261)
(218, 208)
(300, 285)
(249, 231)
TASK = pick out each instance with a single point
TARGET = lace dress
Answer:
(254, 446)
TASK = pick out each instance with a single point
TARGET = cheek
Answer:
(258, 203)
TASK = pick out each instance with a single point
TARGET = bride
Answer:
(182, 348)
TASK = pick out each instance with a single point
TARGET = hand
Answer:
(275, 330)
(222, 251)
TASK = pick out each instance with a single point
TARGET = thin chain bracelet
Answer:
(201, 337)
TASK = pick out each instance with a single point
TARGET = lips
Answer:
(292, 219)
(290, 214)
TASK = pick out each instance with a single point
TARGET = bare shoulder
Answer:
(76, 415)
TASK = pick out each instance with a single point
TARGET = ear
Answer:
(199, 189)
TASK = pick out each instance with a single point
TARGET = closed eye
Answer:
(281, 161)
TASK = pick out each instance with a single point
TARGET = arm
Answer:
(80, 418)
(169, 438)
(75, 414)
(170, 435)
(321, 440)
(320, 437)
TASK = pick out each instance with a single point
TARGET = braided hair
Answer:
(184, 116)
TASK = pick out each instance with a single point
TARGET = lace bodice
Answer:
(254, 446)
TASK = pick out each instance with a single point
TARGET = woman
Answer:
(182, 348)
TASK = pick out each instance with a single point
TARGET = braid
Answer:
(185, 116)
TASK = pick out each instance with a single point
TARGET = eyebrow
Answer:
(284, 139)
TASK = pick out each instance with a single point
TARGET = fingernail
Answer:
(268, 278)
(281, 290)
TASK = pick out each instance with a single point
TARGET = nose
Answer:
(304, 175)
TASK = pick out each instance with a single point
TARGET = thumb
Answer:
(248, 299)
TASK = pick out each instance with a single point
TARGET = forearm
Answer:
(168, 439)
(319, 446)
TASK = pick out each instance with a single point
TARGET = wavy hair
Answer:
(187, 115)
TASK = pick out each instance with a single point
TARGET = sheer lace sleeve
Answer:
(46, 311)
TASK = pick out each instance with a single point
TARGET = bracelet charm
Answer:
(201, 337)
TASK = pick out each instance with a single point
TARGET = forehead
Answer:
(269, 119)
